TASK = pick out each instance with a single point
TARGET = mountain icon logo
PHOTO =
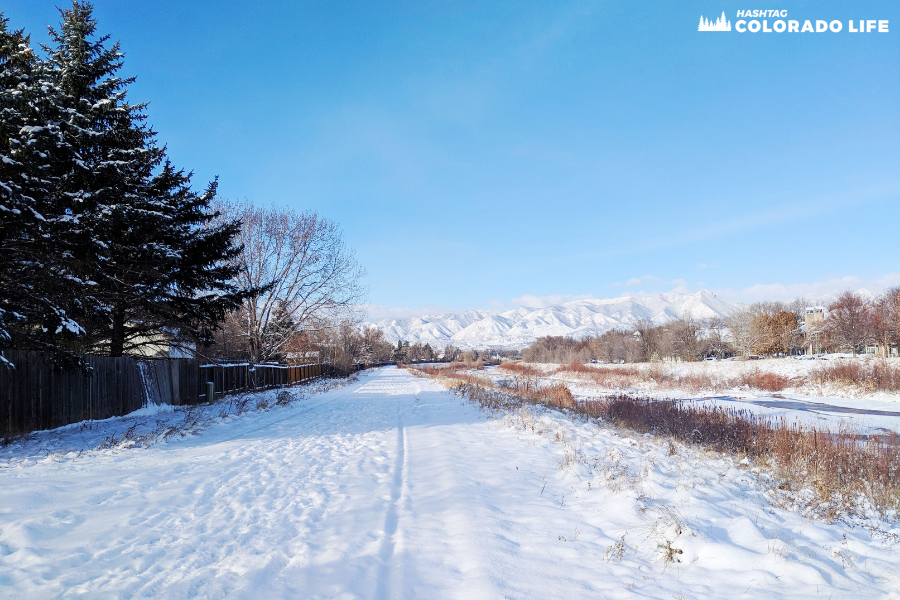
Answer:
(721, 24)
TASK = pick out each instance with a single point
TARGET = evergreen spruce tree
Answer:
(103, 243)
(41, 301)
(143, 238)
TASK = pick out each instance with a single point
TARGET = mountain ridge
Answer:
(519, 327)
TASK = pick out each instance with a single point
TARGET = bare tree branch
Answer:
(301, 261)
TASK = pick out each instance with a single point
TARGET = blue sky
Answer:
(482, 155)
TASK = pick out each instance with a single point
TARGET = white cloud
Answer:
(680, 286)
(544, 301)
(378, 312)
(788, 211)
(811, 290)
(889, 280)
(635, 281)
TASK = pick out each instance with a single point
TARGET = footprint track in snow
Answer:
(386, 586)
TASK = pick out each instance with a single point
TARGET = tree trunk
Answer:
(117, 339)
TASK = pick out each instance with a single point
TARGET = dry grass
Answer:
(656, 376)
(837, 465)
(843, 469)
(769, 382)
(870, 376)
(866, 376)
(519, 368)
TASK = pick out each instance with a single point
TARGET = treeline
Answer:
(105, 248)
(850, 324)
(417, 352)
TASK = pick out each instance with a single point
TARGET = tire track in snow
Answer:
(387, 575)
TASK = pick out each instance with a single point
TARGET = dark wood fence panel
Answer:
(242, 377)
(173, 381)
(37, 394)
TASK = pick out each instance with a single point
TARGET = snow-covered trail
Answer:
(395, 488)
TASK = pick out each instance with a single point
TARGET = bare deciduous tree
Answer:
(651, 339)
(886, 320)
(743, 334)
(849, 323)
(685, 340)
(766, 327)
(375, 349)
(716, 339)
(300, 261)
(616, 346)
(451, 352)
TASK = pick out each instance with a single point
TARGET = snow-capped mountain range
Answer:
(519, 327)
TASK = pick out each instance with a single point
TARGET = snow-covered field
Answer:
(392, 487)
(833, 406)
(797, 371)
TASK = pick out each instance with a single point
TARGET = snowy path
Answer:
(395, 488)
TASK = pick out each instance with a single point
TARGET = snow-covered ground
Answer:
(392, 487)
(797, 370)
(831, 406)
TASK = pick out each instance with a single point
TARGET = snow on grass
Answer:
(840, 376)
(393, 487)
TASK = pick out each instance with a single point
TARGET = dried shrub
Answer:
(867, 376)
(870, 376)
(556, 395)
(574, 367)
(837, 465)
(655, 376)
(606, 376)
(521, 369)
(770, 382)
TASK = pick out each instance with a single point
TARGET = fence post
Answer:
(210, 391)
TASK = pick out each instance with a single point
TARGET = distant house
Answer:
(160, 344)
(813, 322)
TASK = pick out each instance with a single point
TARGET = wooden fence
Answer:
(37, 394)
(244, 377)
(173, 381)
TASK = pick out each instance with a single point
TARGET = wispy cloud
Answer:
(532, 301)
(812, 290)
(637, 281)
(784, 213)
(378, 312)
